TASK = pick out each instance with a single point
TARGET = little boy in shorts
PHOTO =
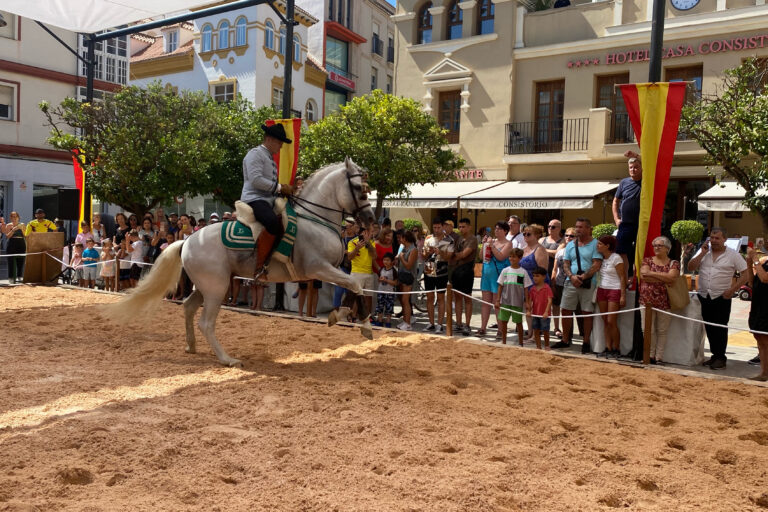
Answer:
(512, 295)
(77, 263)
(90, 263)
(385, 299)
(540, 296)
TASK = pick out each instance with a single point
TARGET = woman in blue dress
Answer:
(495, 259)
(534, 254)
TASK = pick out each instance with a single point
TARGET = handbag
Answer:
(585, 283)
(677, 291)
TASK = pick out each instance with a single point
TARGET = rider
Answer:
(260, 187)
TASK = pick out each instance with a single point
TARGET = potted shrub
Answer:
(686, 232)
(603, 229)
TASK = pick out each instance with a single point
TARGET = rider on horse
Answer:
(260, 188)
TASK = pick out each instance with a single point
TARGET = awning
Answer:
(439, 195)
(91, 16)
(725, 197)
(544, 195)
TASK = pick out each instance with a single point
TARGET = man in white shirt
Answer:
(515, 235)
(717, 265)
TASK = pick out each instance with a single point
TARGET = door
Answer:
(549, 116)
(449, 115)
(607, 95)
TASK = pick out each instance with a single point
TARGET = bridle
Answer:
(344, 213)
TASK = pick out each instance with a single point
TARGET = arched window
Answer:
(485, 12)
(281, 41)
(424, 20)
(224, 35)
(240, 32)
(296, 49)
(269, 35)
(205, 42)
(454, 21)
(310, 111)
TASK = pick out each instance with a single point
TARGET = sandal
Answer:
(480, 332)
(559, 334)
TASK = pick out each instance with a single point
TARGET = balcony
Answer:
(543, 137)
(391, 54)
(377, 45)
(621, 131)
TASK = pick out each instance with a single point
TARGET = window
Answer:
(390, 48)
(334, 100)
(607, 95)
(7, 102)
(296, 49)
(111, 75)
(336, 55)
(389, 84)
(454, 21)
(549, 117)
(119, 46)
(240, 32)
(310, 111)
(224, 92)
(9, 30)
(377, 45)
(691, 74)
(171, 41)
(330, 9)
(122, 72)
(224, 35)
(269, 35)
(205, 42)
(449, 114)
(281, 41)
(485, 12)
(424, 20)
(277, 97)
(340, 11)
(374, 79)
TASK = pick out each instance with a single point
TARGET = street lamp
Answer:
(2, 21)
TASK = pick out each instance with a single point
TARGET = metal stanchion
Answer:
(647, 335)
(449, 309)
(117, 274)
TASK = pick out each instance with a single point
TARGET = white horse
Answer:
(327, 196)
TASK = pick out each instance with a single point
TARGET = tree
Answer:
(732, 127)
(391, 137)
(236, 129)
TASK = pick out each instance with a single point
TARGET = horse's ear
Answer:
(348, 163)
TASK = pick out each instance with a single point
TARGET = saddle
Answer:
(267, 246)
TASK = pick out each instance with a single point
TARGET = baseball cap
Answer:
(39, 210)
(215, 215)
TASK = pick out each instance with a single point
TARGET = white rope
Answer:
(583, 315)
(412, 292)
(709, 323)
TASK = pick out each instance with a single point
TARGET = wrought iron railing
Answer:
(621, 129)
(544, 136)
(390, 54)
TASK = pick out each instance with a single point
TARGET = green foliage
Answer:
(391, 137)
(732, 127)
(687, 231)
(603, 229)
(411, 223)
(144, 146)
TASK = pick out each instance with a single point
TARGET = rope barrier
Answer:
(709, 323)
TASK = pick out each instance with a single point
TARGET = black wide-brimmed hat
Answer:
(277, 131)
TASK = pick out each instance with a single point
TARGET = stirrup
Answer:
(259, 272)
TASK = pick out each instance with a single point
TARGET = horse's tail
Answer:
(161, 280)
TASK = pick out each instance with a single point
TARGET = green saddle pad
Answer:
(238, 236)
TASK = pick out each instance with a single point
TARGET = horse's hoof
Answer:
(234, 363)
(367, 332)
(190, 350)
(332, 318)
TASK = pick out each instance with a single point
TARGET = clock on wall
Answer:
(684, 5)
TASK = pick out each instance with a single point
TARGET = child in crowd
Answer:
(125, 264)
(135, 249)
(77, 262)
(385, 300)
(512, 295)
(169, 239)
(540, 297)
(108, 265)
(90, 263)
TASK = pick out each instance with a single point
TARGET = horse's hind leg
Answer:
(207, 325)
(363, 312)
(191, 304)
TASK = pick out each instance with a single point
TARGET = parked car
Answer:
(745, 292)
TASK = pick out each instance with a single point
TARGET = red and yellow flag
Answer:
(84, 206)
(287, 160)
(654, 110)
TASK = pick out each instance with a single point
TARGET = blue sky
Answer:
(391, 2)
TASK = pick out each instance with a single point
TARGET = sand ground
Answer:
(96, 416)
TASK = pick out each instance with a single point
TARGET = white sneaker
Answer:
(438, 328)
(404, 327)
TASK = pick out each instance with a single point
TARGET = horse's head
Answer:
(357, 192)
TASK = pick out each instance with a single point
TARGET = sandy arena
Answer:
(97, 416)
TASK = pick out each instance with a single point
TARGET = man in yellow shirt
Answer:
(361, 252)
(40, 224)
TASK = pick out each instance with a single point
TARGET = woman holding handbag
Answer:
(758, 313)
(656, 273)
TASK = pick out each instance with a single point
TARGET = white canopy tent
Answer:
(543, 195)
(439, 195)
(92, 16)
(724, 197)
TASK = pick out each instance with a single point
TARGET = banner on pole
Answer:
(287, 160)
(77, 161)
(654, 110)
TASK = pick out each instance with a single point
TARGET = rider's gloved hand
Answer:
(286, 190)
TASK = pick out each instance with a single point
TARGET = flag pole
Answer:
(657, 40)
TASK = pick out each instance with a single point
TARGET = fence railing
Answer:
(377, 45)
(621, 129)
(544, 136)
(390, 54)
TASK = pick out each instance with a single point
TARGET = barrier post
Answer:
(449, 309)
(647, 334)
(43, 264)
(117, 273)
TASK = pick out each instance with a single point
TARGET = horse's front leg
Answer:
(332, 274)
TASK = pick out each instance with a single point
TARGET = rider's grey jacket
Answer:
(259, 176)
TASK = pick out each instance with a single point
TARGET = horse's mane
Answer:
(322, 172)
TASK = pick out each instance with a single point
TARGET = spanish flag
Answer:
(78, 159)
(287, 160)
(654, 110)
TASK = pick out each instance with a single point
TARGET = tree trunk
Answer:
(379, 206)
